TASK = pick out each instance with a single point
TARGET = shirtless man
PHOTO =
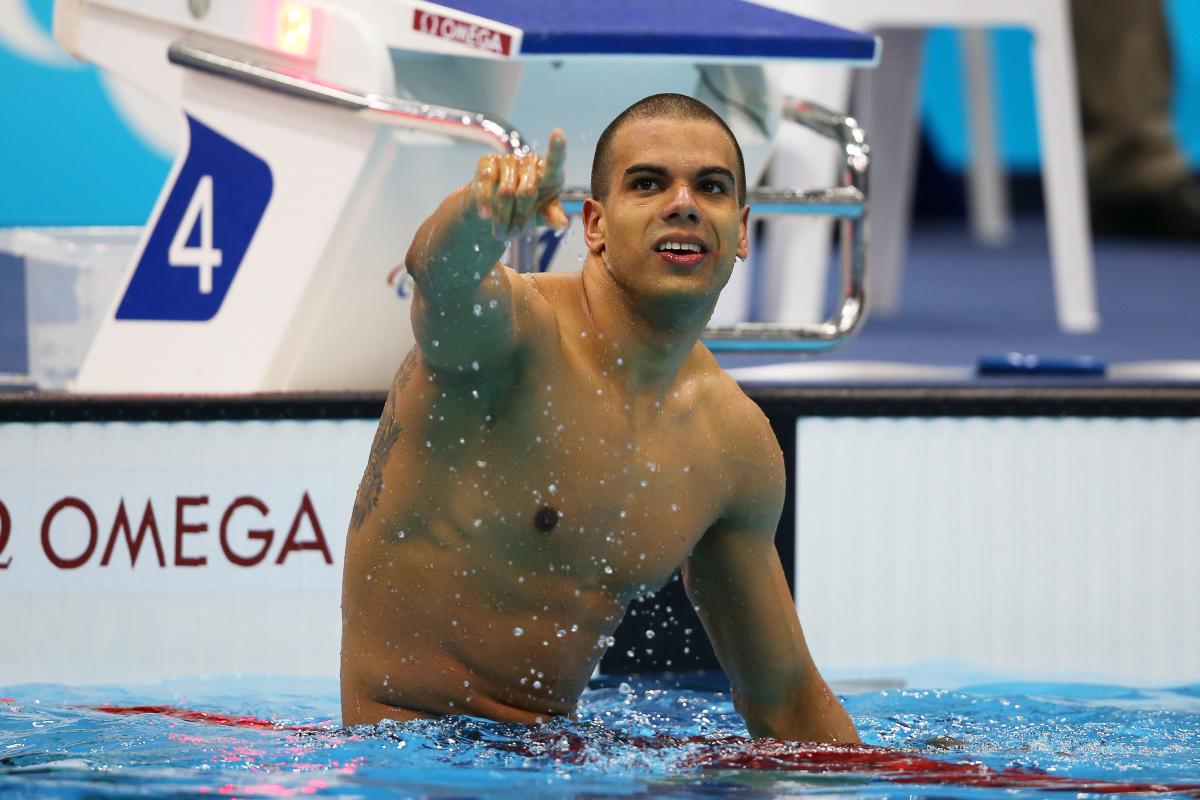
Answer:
(558, 444)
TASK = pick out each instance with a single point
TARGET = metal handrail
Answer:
(852, 182)
(847, 202)
(454, 122)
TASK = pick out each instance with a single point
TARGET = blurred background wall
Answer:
(77, 148)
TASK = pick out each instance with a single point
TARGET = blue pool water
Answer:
(53, 743)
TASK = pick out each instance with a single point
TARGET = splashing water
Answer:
(252, 737)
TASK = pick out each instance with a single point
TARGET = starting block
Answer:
(320, 134)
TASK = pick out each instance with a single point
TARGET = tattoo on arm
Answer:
(386, 436)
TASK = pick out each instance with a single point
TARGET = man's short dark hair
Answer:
(678, 106)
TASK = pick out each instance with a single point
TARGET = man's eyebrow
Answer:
(722, 171)
(655, 169)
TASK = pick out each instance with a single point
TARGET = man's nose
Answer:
(681, 205)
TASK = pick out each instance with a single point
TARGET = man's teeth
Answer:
(680, 247)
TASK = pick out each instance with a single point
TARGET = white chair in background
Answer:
(886, 106)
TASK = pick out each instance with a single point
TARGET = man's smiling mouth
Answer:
(680, 247)
(681, 250)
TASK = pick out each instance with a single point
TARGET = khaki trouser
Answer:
(1123, 57)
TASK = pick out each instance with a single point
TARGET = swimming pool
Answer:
(633, 738)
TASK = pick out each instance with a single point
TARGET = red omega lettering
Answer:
(183, 529)
(121, 525)
(265, 535)
(5, 530)
(290, 544)
(48, 548)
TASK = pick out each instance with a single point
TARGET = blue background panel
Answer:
(669, 27)
(66, 155)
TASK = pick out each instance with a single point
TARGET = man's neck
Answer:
(645, 344)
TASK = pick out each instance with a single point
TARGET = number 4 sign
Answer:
(201, 233)
(204, 257)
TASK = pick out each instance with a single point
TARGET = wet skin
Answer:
(559, 444)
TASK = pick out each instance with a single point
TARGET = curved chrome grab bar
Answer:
(852, 182)
(847, 202)
(458, 123)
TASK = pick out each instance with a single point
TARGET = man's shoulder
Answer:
(740, 422)
(546, 296)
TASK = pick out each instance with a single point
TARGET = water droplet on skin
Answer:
(624, 688)
(477, 310)
(620, 361)
(478, 522)
(434, 343)
(370, 576)
(492, 303)
(475, 366)
(608, 570)
(537, 684)
(644, 483)
(553, 488)
(649, 634)
(630, 653)
(687, 468)
(623, 515)
(674, 506)
(481, 464)
(466, 683)
(475, 248)
(428, 443)
(518, 631)
(400, 535)
(560, 633)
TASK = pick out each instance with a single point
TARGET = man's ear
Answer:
(595, 226)
(743, 250)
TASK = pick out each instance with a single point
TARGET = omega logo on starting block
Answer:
(471, 35)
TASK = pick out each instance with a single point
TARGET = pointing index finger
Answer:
(556, 153)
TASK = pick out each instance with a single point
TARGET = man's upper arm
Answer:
(473, 328)
(737, 582)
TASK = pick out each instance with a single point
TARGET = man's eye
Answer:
(712, 187)
(643, 184)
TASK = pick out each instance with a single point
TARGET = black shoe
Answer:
(1173, 213)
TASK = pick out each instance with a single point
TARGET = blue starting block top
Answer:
(712, 29)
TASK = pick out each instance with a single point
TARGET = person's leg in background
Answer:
(1139, 181)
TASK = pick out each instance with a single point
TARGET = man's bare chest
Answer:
(565, 482)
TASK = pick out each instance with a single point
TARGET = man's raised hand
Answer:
(519, 192)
